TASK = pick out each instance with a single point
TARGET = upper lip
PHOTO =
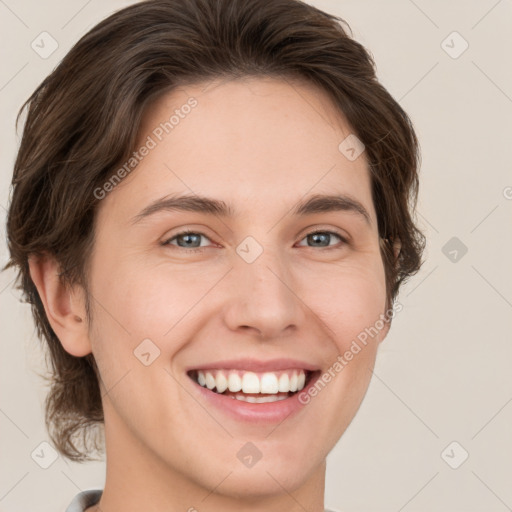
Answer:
(256, 365)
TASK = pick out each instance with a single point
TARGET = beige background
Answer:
(443, 374)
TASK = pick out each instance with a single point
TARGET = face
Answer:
(266, 290)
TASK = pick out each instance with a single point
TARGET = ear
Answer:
(64, 306)
(397, 247)
(384, 331)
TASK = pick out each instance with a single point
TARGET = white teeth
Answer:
(259, 399)
(210, 381)
(269, 383)
(234, 382)
(301, 381)
(221, 382)
(250, 383)
(284, 383)
(293, 382)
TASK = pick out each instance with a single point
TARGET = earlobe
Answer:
(385, 331)
(397, 247)
(64, 306)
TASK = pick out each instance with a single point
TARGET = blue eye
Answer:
(191, 240)
(322, 238)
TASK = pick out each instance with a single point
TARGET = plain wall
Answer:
(443, 373)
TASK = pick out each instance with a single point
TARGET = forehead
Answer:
(254, 143)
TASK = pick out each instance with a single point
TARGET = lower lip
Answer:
(268, 412)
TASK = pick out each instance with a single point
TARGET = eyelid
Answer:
(196, 229)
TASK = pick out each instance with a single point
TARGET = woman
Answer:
(212, 217)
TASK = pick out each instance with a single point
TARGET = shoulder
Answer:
(84, 500)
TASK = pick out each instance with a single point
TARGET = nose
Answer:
(263, 298)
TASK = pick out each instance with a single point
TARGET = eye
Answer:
(323, 238)
(191, 240)
(187, 240)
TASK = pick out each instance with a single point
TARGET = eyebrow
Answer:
(318, 203)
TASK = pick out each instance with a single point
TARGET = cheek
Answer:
(136, 301)
(349, 298)
(137, 312)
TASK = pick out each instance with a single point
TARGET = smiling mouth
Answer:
(253, 387)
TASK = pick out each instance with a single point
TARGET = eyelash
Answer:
(201, 249)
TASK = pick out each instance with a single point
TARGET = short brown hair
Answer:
(84, 117)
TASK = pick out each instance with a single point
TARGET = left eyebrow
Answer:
(317, 203)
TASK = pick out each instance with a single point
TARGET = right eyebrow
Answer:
(199, 204)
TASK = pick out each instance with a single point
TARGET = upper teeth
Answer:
(250, 382)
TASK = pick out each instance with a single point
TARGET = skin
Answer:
(260, 145)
